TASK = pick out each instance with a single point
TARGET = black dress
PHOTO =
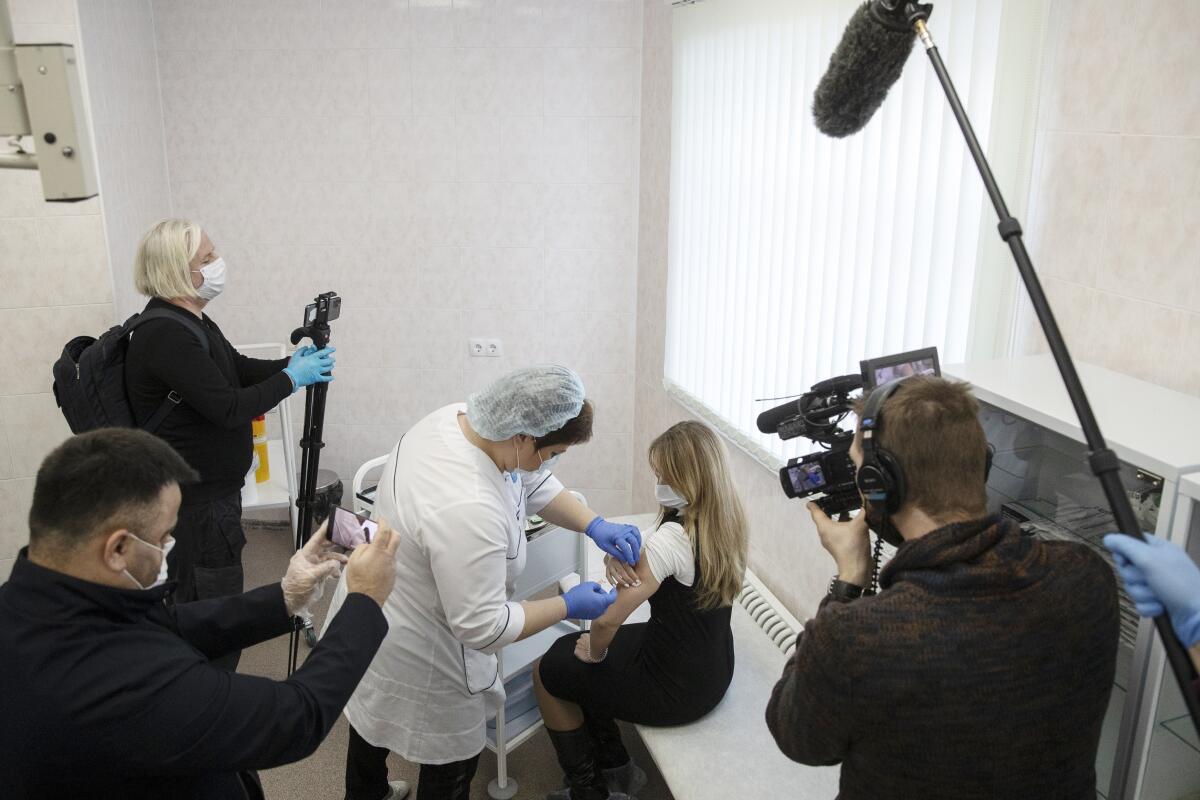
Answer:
(671, 670)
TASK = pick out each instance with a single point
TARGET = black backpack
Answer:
(89, 377)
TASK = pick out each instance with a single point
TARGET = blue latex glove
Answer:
(1160, 576)
(309, 365)
(588, 601)
(619, 540)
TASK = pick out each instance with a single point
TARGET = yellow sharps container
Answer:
(259, 427)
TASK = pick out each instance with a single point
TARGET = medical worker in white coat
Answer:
(457, 489)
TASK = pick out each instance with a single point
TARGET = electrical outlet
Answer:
(485, 348)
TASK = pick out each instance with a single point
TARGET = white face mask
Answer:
(520, 472)
(668, 497)
(162, 567)
(214, 279)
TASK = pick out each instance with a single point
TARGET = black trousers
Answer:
(207, 558)
(366, 774)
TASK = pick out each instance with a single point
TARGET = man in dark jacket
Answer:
(106, 691)
(983, 667)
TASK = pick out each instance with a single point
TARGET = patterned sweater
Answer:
(982, 669)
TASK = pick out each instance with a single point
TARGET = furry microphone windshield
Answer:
(867, 61)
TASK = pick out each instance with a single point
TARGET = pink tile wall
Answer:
(56, 285)
(1114, 223)
(117, 43)
(453, 169)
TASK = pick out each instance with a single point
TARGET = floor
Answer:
(321, 775)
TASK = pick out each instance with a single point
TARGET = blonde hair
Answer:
(691, 459)
(161, 268)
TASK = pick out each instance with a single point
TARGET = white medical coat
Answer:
(461, 521)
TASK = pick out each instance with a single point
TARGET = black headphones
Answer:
(880, 478)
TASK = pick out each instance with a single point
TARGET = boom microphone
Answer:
(842, 384)
(867, 61)
(768, 421)
(814, 404)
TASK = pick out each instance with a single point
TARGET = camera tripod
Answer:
(317, 316)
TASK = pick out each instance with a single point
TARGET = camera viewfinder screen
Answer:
(895, 372)
(806, 477)
(348, 530)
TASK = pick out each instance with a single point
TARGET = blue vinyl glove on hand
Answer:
(309, 365)
(619, 540)
(1160, 576)
(588, 601)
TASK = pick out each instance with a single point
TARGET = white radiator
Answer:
(769, 614)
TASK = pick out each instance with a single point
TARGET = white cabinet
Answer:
(1040, 475)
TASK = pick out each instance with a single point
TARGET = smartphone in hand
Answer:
(349, 530)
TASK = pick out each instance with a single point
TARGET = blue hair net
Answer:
(534, 401)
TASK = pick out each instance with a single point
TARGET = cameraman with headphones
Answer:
(983, 666)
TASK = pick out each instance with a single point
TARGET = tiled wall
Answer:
(54, 284)
(117, 38)
(1114, 223)
(454, 170)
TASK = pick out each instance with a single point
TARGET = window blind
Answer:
(793, 255)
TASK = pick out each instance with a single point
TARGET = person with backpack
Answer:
(181, 362)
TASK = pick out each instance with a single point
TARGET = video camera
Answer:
(817, 415)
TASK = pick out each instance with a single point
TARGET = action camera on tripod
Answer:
(324, 309)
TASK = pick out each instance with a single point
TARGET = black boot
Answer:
(618, 769)
(625, 781)
(576, 756)
(606, 739)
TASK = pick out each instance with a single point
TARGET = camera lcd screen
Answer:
(878, 371)
(806, 477)
(924, 366)
(349, 530)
